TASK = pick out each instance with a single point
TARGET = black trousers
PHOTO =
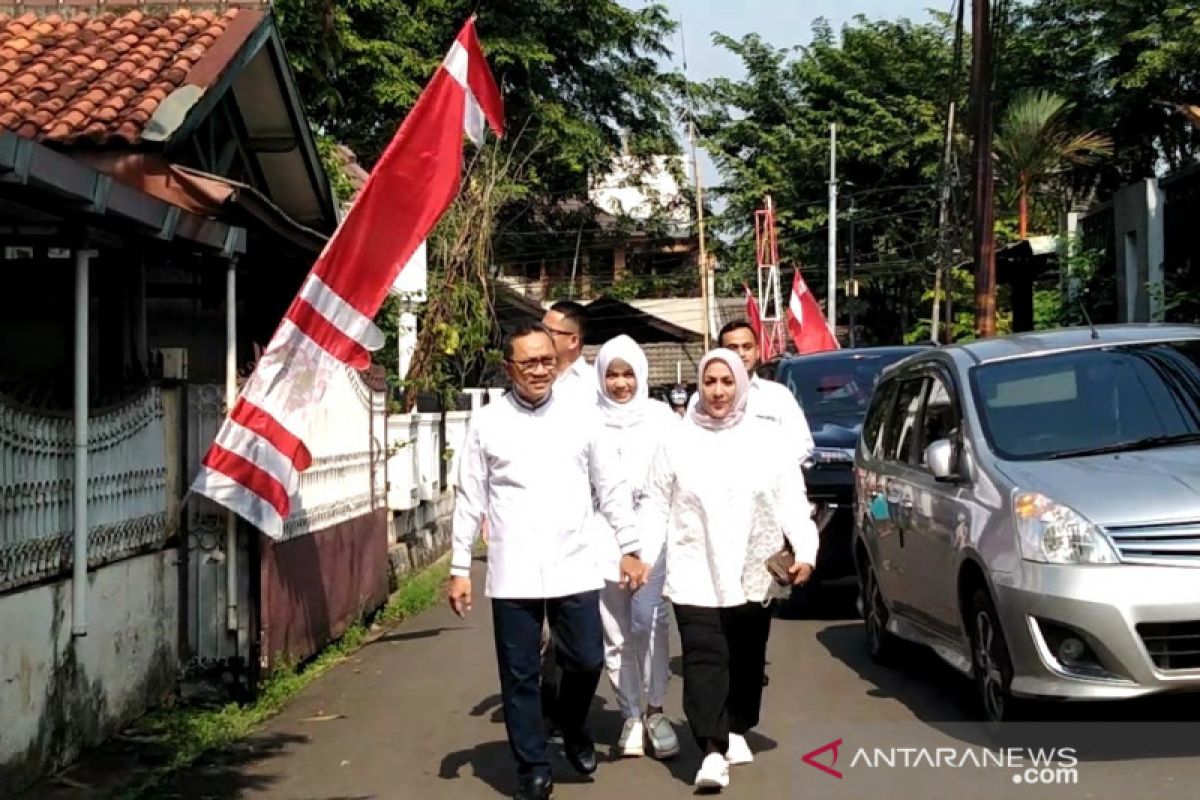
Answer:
(724, 658)
(578, 641)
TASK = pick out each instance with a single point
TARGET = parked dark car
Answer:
(834, 388)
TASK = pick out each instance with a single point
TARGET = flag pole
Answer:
(706, 324)
(831, 300)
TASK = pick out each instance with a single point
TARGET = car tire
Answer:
(882, 645)
(991, 664)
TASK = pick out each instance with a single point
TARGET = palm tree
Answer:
(1033, 145)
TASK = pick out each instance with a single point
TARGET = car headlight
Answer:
(1052, 533)
(821, 456)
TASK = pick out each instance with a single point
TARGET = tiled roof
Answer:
(99, 77)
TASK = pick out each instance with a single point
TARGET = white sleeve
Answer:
(658, 490)
(470, 499)
(795, 513)
(795, 423)
(612, 492)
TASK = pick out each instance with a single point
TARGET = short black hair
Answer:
(574, 312)
(526, 327)
(737, 325)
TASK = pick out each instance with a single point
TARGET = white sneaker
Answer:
(629, 745)
(739, 751)
(714, 772)
(663, 741)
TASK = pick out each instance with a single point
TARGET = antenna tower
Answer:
(770, 298)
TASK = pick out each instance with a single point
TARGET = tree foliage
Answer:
(886, 85)
(1034, 146)
(582, 77)
(1125, 66)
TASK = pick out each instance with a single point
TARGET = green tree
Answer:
(582, 78)
(1034, 146)
(886, 84)
(1126, 66)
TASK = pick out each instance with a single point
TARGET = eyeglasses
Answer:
(531, 364)
(559, 332)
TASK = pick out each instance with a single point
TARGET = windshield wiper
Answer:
(1147, 443)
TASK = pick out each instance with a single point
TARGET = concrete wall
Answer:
(1138, 240)
(419, 537)
(59, 694)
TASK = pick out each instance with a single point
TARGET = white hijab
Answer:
(623, 415)
(699, 412)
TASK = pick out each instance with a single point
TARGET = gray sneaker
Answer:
(663, 741)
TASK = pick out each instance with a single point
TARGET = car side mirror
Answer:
(940, 458)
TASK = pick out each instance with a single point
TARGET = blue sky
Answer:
(783, 23)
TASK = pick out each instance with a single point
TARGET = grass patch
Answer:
(186, 734)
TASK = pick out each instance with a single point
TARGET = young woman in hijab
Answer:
(635, 623)
(729, 497)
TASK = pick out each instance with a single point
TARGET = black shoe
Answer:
(534, 787)
(582, 756)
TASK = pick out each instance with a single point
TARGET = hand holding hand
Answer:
(633, 572)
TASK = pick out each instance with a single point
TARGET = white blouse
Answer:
(635, 446)
(727, 499)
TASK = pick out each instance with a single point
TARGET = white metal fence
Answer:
(127, 497)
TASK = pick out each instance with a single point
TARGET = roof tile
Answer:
(98, 76)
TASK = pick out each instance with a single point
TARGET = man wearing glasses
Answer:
(567, 323)
(532, 465)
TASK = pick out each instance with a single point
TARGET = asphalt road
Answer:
(417, 714)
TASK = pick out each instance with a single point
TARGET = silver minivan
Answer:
(1029, 508)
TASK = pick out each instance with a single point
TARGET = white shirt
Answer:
(635, 446)
(578, 383)
(773, 402)
(532, 472)
(727, 499)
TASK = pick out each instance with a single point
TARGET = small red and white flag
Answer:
(805, 322)
(253, 465)
(754, 317)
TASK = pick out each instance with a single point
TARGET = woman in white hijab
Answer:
(636, 623)
(729, 498)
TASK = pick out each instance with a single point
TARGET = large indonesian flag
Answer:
(805, 321)
(253, 466)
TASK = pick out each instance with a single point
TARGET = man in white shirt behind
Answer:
(576, 382)
(767, 400)
(531, 466)
(567, 322)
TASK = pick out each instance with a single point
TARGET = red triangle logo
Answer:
(828, 769)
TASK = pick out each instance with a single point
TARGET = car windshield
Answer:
(837, 389)
(1111, 399)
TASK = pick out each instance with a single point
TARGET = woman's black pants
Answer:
(724, 658)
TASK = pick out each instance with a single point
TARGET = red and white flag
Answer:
(805, 322)
(754, 317)
(253, 466)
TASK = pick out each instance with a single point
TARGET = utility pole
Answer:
(704, 266)
(984, 187)
(831, 301)
(851, 287)
(943, 227)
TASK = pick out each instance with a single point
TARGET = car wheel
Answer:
(881, 644)
(991, 662)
